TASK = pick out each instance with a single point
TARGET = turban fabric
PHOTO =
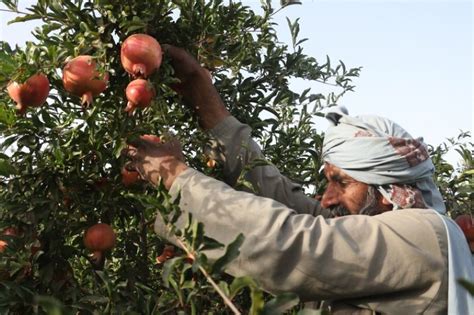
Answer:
(376, 151)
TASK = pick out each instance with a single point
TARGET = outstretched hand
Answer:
(154, 160)
(196, 87)
(186, 67)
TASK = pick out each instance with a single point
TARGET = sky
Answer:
(416, 57)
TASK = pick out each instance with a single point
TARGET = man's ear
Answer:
(385, 202)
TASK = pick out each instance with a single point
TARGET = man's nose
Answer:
(330, 198)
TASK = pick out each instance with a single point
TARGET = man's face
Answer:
(344, 191)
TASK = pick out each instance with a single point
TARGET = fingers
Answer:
(166, 48)
(138, 143)
(130, 152)
(130, 166)
(174, 52)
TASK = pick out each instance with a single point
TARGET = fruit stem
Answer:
(97, 259)
(21, 109)
(86, 99)
(130, 108)
(139, 70)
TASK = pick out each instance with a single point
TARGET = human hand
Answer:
(187, 69)
(154, 160)
(196, 87)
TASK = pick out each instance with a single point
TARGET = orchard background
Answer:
(60, 164)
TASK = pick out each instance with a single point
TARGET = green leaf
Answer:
(239, 283)
(280, 303)
(11, 4)
(469, 286)
(25, 18)
(105, 278)
(232, 251)
(6, 169)
(94, 299)
(210, 243)
(168, 270)
(49, 304)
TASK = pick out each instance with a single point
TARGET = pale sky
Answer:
(416, 57)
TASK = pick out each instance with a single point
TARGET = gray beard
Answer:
(370, 206)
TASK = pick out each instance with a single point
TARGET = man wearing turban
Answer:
(381, 260)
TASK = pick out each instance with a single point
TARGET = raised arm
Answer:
(233, 145)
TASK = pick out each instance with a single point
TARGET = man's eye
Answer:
(344, 183)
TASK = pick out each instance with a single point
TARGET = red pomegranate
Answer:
(211, 163)
(151, 138)
(10, 231)
(99, 238)
(141, 55)
(139, 93)
(81, 78)
(129, 177)
(466, 223)
(168, 253)
(32, 93)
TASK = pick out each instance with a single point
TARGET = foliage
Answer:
(60, 165)
(455, 182)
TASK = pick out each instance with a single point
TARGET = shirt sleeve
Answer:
(314, 257)
(233, 146)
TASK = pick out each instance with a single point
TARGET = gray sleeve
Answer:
(233, 146)
(314, 257)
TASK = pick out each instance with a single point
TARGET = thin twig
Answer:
(210, 280)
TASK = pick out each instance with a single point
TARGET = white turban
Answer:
(377, 151)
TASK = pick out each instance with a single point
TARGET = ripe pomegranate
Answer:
(139, 94)
(32, 93)
(466, 223)
(151, 138)
(211, 163)
(141, 55)
(10, 232)
(99, 238)
(129, 177)
(81, 78)
(168, 253)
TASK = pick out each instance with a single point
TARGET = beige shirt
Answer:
(393, 263)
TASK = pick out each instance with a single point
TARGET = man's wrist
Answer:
(170, 171)
(206, 101)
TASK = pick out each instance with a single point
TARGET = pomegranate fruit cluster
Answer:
(140, 55)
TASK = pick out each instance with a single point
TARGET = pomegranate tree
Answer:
(99, 238)
(141, 55)
(32, 93)
(82, 78)
(139, 93)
